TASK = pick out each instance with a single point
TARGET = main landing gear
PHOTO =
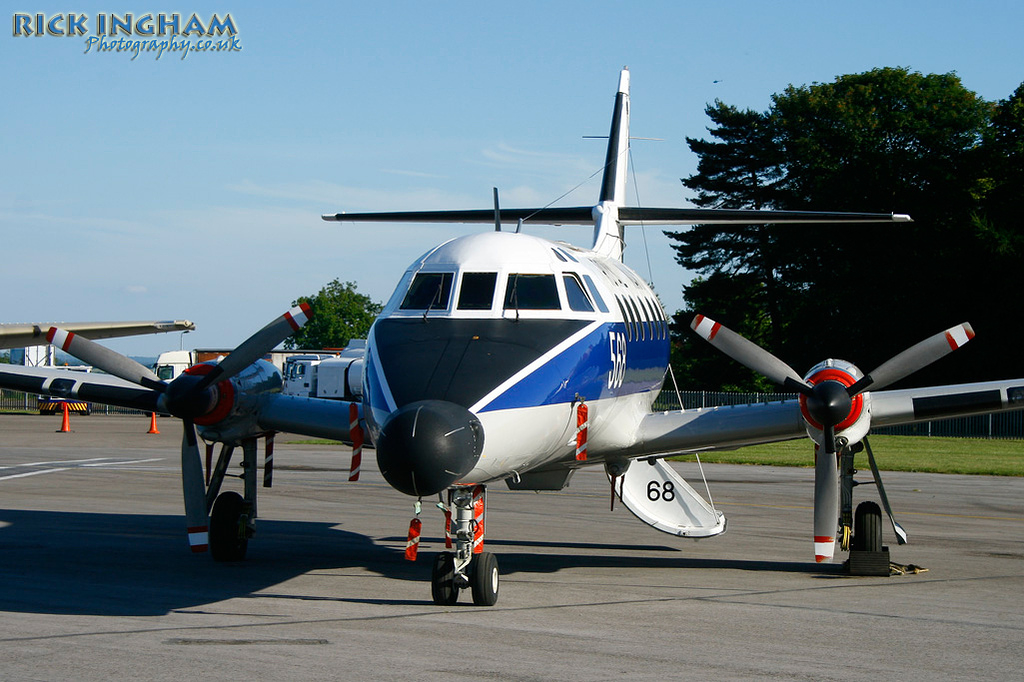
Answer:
(861, 531)
(233, 516)
(468, 566)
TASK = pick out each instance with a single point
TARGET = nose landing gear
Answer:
(468, 566)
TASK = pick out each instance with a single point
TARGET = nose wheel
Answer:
(481, 577)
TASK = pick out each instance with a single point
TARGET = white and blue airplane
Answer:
(504, 357)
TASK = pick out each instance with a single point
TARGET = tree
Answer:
(340, 314)
(742, 170)
(697, 364)
(888, 140)
(1002, 194)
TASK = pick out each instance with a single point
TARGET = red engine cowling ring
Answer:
(225, 396)
(833, 374)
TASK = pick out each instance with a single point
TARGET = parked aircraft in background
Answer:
(504, 357)
(21, 335)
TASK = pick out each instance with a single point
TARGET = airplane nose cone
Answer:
(425, 446)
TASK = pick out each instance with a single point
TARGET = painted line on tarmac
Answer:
(67, 465)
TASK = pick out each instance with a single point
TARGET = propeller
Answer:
(830, 399)
(191, 397)
(109, 361)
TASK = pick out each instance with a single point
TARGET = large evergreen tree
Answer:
(888, 140)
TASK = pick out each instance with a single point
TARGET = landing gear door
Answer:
(661, 498)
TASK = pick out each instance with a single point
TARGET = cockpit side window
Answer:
(531, 292)
(429, 291)
(477, 291)
(596, 294)
(576, 295)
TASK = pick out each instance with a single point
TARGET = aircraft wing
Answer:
(728, 427)
(314, 417)
(20, 335)
(63, 383)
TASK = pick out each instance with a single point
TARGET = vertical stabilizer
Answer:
(608, 238)
(613, 184)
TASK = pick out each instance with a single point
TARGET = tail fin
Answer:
(613, 184)
(608, 238)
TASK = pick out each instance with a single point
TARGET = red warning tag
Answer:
(412, 545)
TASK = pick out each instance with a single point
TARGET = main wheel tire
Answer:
(867, 528)
(483, 579)
(442, 580)
(228, 541)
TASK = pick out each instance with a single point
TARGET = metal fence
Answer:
(1005, 425)
(18, 402)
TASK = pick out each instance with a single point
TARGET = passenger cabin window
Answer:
(477, 291)
(575, 294)
(531, 292)
(429, 291)
(627, 319)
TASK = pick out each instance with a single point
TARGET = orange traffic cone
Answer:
(65, 425)
(152, 423)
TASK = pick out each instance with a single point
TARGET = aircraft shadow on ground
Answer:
(131, 564)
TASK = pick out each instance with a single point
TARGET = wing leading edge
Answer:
(728, 427)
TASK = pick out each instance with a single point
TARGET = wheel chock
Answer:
(868, 563)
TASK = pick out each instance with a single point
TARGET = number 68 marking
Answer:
(656, 490)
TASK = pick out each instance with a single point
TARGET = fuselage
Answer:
(519, 330)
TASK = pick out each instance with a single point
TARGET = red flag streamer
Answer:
(479, 503)
(447, 528)
(356, 432)
(581, 432)
(412, 545)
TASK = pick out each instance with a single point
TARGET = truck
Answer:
(338, 376)
(170, 364)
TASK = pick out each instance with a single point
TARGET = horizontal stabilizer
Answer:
(728, 216)
(661, 498)
(581, 215)
(627, 215)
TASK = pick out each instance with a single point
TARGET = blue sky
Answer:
(192, 188)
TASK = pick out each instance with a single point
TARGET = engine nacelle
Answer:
(232, 416)
(858, 422)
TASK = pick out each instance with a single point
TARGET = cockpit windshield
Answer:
(429, 291)
(531, 292)
(477, 292)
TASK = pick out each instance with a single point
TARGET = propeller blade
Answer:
(194, 490)
(748, 353)
(258, 345)
(914, 358)
(826, 502)
(105, 359)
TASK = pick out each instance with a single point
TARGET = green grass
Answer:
(894, 453)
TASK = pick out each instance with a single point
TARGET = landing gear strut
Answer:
(232, 516)
(468, 566)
